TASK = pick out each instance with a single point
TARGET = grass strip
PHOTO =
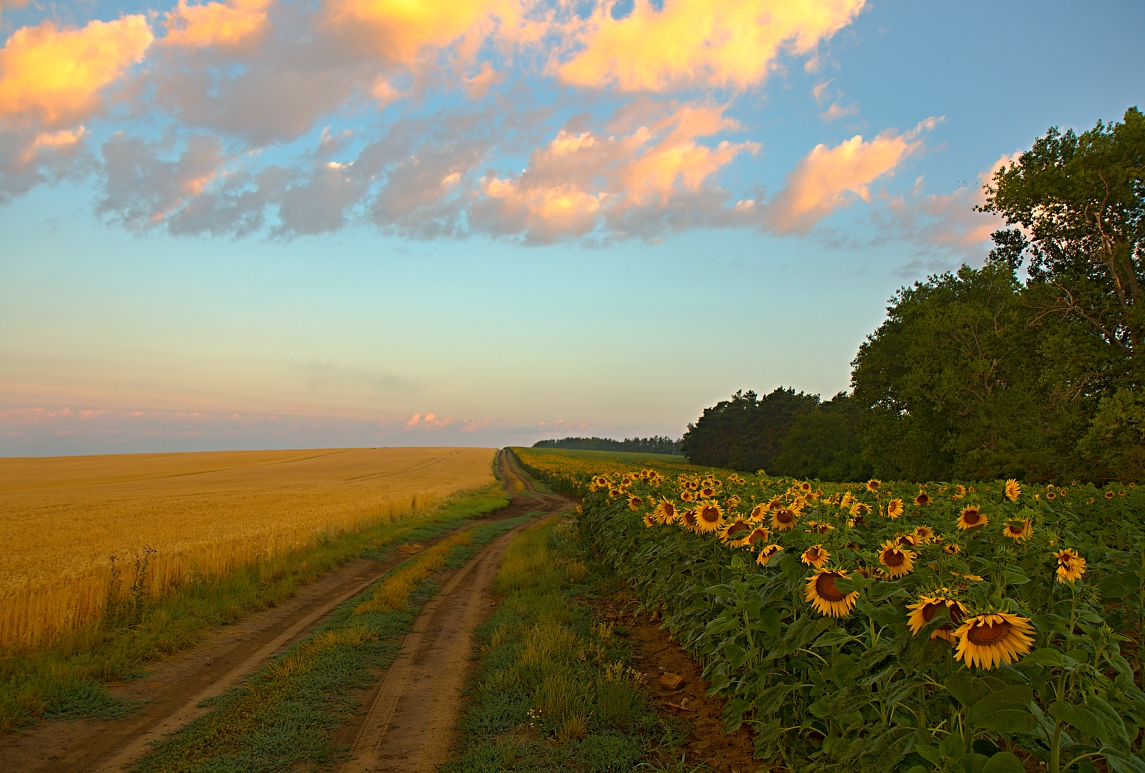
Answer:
(555, 689)
(284, 717)
(67, 678)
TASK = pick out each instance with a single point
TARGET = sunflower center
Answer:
(710, 514)
(784, 516)
(985, 634)
(825, 587)
(894, 558)
(971, 516)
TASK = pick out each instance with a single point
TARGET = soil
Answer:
(175, 687)
(656, 654)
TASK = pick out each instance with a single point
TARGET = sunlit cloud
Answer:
(56, 77)
(825, 179)
(729, 44)
(233, 23)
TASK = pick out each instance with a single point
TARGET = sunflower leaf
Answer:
(1004, 711)
(1004, 762)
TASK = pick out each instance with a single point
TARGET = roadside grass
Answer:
(283, 718)
(67, 678)
(555, 689)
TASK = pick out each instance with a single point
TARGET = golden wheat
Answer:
(204, 514)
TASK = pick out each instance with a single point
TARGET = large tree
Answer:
(744, 433)
(1075, 207)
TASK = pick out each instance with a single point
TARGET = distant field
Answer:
(569, 471)
(62, 519)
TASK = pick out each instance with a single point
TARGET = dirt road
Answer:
(423, 683)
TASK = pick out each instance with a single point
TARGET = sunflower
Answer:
(766, 552)
(1109, 495)
(649, 521)
(928, 605)
(959, 492)
(1071, 566)
(737, 527)
(707, 492)
(759, 512)
(634, 502)
(898, 561)
(951, 548)
(709, 516)
(815, 556)
(923, 499)
(1018, 530)
(971, 517)
(827, 599)
(993, 639)
(1012, 489)
(783, 519)
(613, 493)
(906, 540)
(665, 511)
(924, 535)
(757, 535)
(687, 496)
(894, 508)
(805, 487)
(873, 485)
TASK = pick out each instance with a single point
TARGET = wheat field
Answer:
(203, 514)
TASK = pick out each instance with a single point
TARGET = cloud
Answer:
(584, 179)
(55, 77)
(946, 223)
(233, 23)
(29, 158)
(142, 187)
(825, 178)
(837, 111)
(728, 44)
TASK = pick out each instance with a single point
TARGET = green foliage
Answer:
(636, 445)
(744, 433)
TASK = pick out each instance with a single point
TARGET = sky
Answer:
(318, 223)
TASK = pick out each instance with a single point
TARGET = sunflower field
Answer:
(882, 626)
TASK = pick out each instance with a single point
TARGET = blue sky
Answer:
(528, 225)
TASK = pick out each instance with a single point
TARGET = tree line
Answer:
(644, 445)
(1029, 367)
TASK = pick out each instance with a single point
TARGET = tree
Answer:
(744, 433)
(1079, 204)
(824, 444)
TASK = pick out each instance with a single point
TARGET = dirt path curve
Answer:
(174, 689)
(414, 709)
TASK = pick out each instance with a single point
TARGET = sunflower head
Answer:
(665, 511)
(959, 492)
(758, 536)
(805, 487)
(1018, 530)
(783, 519)
(906, 540)
(993, 639)
(759, 512)
(923, 499)
(707, 492)
(634, 502)
(709, 516)
(689, 520)
(972, 517)
(896, 560)
(1012, 489)
(766, 552)
(826, 597)
(922, 612)
(894, 508)
(815, 556)
(951, 548)
(924, 535)
(873, 485)
(1109, 495)
(737, 529)
(649, 521)
(1071, 566)
(687, 496)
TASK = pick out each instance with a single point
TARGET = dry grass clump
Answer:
(394, 592)
(82, 532)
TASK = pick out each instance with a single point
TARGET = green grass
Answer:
(67, 679)
(283, 718)
(554, 689)
(623, 457)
